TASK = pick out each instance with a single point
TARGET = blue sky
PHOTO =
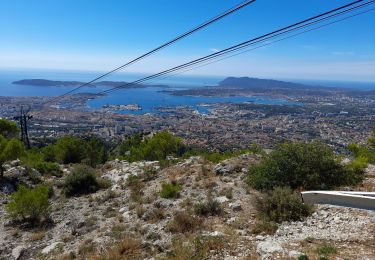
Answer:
(100, 35)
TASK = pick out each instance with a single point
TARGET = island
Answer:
(58, 83)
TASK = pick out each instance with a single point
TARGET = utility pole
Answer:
(23, 119)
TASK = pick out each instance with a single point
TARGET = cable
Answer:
(299, 25)
(267, 44)
(180, 37)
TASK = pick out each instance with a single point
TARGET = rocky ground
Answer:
(132, 217)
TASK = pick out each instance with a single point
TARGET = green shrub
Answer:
(209, 208)
(170, 190)
(48, 167)
(265, 227)
(326, 249)
(69, 149)
(9, 150)
(300, 165)
(8, 129)
(157, 147)
(365, 151)
(282, 204)
(95, 152)
(29, 204)
(216, 157)
(356, 170)
(303, 257)
(81, 181)
(35, 159)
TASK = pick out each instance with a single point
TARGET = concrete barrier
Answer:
(353, 199)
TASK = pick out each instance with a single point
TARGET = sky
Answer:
(98, 35)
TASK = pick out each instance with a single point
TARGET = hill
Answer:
(256, 83)
(58, 83)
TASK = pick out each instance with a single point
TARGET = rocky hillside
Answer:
(191, 210)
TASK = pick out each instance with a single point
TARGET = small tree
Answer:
(95, 152)
(9, 150)
(299, 165)
(8, 129)
(69, 149)
(29, 204)
(157, 147)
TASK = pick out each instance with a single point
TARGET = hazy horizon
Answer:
(54, 36)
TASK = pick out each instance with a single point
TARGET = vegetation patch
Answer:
(210, 208)
(81, 181)
(170, 190)
(127, 249)
(155, 148)
(283, 204)
(299, 165)
(326, 249)
(30, 205)
(184, 222)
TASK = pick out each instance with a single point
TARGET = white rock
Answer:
(50, 248)
(268, 247)
(122, 210)
(235, 206)
(294, 254)
(215, 234)
(17, 252)
(222, 199)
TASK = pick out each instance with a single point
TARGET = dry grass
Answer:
(127, 248)
(196, 247)
(156, 215)
(315, 249)
(37, 236)
(184, 222)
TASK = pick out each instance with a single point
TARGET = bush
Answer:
(184, 222)
(216, 157)
(29, 204)
(35, 159)
(282, 204)
(8, 129)
(209, 208)
(95, 152)
(157, 147)
(326, 249)
(136, 186)
(302, 257)
(356, 170)
(300, 165)
(9, 150)
(81, 181)
(265, 227)
(69, 149)
(170, 190)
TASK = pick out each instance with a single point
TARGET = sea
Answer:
(150, 98)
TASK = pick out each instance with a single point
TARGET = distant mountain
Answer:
(56, 83)
(255, 86)
(255, 83)
(47, 83)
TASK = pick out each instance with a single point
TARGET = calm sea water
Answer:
(149, 98)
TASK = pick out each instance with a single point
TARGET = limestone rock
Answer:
(17, 252)
(268, 247)
(50, 248)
